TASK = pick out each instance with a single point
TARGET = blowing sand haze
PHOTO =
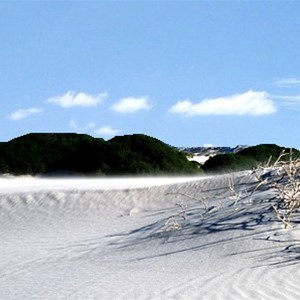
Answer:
(113, 239)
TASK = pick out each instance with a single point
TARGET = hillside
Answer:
(70, 153)
(246, 159)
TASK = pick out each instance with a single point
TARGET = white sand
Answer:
(107, 239)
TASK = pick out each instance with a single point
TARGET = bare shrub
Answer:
(282, 178)
(174, 221)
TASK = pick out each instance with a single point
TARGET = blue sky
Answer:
(188, 73)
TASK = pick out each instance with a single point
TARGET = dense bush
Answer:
(245, 159)
(143, 154)
(48, 153)
(263, 152)
(225, 163)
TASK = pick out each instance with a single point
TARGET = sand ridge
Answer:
(83, 240)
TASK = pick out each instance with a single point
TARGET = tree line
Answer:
(71, 153)
(137, 154)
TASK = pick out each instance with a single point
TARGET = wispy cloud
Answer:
(24, 113)
(288, 82)
(71, 99)
(73, 125)
(250, 103)
(289, 100)
(131, 105)
(76, 127)
(91, 125)
(107, 130)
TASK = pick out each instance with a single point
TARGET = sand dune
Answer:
(110, 239)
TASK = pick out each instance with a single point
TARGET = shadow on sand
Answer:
(222, 224)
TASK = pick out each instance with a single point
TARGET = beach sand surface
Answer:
(144, 238)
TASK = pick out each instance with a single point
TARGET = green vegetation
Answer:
(245, 159)
(139, 153)
(68, 153)
(226, 163)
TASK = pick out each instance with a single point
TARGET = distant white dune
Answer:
(110, 239)
(201, 159)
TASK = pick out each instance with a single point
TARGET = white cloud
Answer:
(131, 105)
(24, 113)
(249, 103)
(71, 99)
(106, 130)
(288, 82)
(208, 145)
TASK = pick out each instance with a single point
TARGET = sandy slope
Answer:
(93, 239)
